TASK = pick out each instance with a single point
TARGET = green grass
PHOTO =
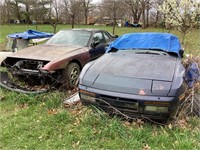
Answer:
(191, 46)
(41, 121)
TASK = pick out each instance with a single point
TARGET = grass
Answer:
(191, 45)
(41, 121)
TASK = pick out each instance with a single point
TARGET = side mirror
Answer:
(115, 36)
(94, 44)
(181, 52)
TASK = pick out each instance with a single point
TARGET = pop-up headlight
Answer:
(161, 87)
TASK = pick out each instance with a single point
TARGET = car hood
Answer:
(130, 73)
(44, 52)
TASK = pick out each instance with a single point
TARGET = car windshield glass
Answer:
(70, 37)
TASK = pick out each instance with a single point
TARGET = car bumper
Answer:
(134, 106)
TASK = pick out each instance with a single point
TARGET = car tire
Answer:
(70, 75)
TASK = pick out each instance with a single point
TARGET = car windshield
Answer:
(70, 37)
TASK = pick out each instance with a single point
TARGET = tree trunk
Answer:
(27, 14)
(143, 19)
(157, 15)
(18, 13)
(54, 28)
(147, 18)
(114, 17)
(114, 24)
(3, 14)
(73, 21)
(143, 15)
(86, 17)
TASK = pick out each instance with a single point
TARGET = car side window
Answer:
(107, 37)
(98, 36)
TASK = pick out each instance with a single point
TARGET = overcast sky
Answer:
(96, 1)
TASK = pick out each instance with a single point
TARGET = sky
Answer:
(96, 1)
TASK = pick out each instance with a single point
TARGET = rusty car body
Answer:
(60, 60)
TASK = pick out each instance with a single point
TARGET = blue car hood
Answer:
(31, 34)
(149, 40)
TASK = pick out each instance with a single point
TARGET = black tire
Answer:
(70, 75)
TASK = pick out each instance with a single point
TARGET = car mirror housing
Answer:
(115, 36)
(181, 52)
(94, 44)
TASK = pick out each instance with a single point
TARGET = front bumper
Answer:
(134, 106)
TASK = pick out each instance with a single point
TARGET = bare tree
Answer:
(28, 5)
(114, 8)
(148, 7)
(86, 6)
(2, 12)
(143, 6)
(158, 15)
(14, 7)
(73, 9)
(54, 13)
(135, 9)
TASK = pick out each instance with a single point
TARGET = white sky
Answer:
(96, 1)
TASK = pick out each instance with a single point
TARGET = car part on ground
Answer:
(72, 100)
(7, 83)
(141, 76)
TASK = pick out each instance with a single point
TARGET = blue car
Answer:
(141, 75)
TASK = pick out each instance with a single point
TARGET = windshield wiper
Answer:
(113, 50)
(153, 51)
(148, 52)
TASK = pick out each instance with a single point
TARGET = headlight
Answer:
(161, 87)
(156, 109)
(87, 96)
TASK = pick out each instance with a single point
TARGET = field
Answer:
(42, 122)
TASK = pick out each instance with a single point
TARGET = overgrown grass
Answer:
(41, 121)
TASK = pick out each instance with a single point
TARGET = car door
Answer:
(108, 38)
(98, 45)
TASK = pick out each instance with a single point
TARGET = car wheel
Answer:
(71, 74)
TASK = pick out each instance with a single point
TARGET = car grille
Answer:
(122, 104)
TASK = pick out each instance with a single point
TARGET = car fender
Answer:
(84, 70)
(62, 63)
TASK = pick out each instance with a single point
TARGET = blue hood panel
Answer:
(31, 34)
